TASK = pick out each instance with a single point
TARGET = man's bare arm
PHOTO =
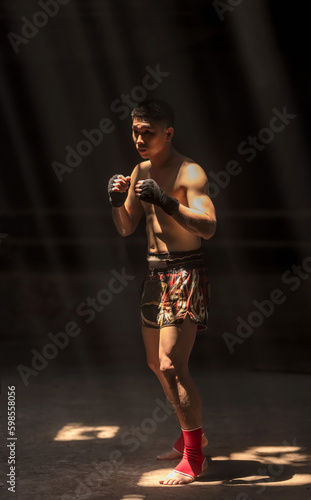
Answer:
(199, 222)
(200, 217)
(127, 217)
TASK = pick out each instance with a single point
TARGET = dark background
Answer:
(58, 241)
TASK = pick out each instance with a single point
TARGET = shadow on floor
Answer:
(234, 470)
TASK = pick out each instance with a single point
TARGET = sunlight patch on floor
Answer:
(261, 466)
(285, 455)
(133, 497)
(152, 479)
(79, 432)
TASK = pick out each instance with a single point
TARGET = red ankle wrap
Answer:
(193, 458)
(180, 443)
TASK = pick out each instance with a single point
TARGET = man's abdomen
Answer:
(169, 236)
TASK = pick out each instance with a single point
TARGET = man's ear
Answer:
(169, 133)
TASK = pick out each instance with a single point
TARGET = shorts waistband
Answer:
(171, 260)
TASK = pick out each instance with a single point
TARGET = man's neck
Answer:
(164, 158)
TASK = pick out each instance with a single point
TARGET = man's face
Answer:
(149, 137)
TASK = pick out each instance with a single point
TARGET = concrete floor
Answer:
(94, 433)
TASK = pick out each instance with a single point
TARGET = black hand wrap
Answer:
(151, 193)
(116, 199)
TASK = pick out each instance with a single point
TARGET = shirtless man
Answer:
(172, 191)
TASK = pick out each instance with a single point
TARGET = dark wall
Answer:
(238, 78)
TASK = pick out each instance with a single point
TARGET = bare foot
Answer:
(174, 454)
(177, 478)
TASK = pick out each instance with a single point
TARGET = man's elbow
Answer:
(210, 230)
(125, 231)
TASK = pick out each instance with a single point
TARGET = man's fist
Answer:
(149, 191)
(118, 187)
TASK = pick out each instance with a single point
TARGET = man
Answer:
(172, 191)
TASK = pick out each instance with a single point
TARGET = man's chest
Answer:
(167, 181)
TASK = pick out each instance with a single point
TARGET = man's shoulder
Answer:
(143, 165)
(191, 171)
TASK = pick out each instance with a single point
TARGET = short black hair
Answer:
(155, 109)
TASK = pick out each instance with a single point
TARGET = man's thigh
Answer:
(151, 338)
(176, 342)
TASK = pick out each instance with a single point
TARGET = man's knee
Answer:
(154, 365)
(167, 367)
(173, 369)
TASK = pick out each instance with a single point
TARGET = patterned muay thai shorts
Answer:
(176, 284)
